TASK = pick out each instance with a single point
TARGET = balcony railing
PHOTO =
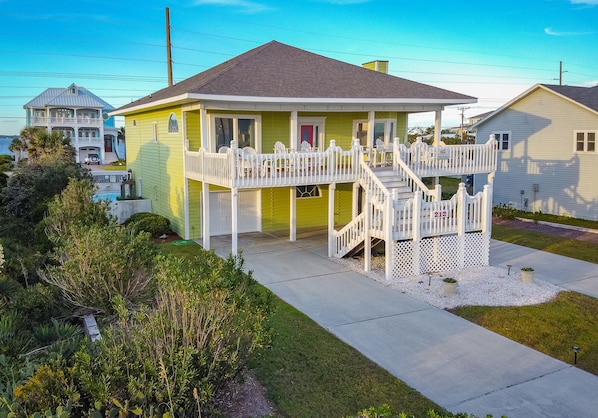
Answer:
(243, 168)
(38, 120)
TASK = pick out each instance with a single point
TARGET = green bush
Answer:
(175, 356)
(151, 223)
(99, 263)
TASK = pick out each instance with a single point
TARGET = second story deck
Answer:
(243, 168)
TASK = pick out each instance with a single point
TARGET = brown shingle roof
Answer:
(276, 70)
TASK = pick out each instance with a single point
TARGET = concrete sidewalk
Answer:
(455, 363)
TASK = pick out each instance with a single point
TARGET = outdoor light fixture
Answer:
(575, 351)
(509, 269)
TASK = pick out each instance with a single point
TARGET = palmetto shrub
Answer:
(173, 357)
(98, 263)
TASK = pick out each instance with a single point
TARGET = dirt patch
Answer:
(245, 398)
(166, 238)
(548, 229)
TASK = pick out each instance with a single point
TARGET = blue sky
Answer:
(490, 50)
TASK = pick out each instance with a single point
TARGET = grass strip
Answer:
(553, 328)
(311, 373)
(550, 243)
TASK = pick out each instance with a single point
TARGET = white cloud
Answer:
(246, 6)
(586, 2)
(549, 31)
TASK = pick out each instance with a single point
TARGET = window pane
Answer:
(362, 134)
(591, 141)
(224, 132)
(378, 131)
(505, 141)
(173, 124)
(580, 141)
(246, 133)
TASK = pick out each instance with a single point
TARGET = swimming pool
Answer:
(110, 196)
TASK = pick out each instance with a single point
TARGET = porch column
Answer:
(371, 122)
(417, 198)
(234, 202)
(186, 204)
(331, 190)
(389, 218)
(205, 227)
(293, 143)
(186, 182)
(203, 127)
(487, 210)
(437, 135)
(293, 215)
(367, 243)
(355, 205)
(461, 215)
(437, 128)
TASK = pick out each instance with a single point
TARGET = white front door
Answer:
(249, 212)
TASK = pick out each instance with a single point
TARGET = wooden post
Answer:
(234, 202)
(367, 244)
(331, 190)
(293, 215)
(461, 215)
(417, 197)
(206, 215)
(389, 218)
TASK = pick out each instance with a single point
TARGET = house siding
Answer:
(159, 165)
(542, 153)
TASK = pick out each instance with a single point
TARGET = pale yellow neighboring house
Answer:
(548, 150)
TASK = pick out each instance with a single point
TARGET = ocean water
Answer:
(4, 143)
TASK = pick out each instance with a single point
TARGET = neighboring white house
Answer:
(548, 155)
(81, 116)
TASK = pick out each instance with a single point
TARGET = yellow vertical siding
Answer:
(159, 164)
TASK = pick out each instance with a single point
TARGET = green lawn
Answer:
(550, 243)
(309, 372)
(571, 319)
(553, 328)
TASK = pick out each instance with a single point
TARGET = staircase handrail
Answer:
(407, 174)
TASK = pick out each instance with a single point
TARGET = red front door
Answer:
(307, 134)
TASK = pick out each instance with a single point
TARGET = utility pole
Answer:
(561, 73)
(168, 48)
(462, 109)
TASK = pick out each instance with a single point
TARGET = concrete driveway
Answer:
(455, 363)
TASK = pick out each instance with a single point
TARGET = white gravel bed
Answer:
(486, 286)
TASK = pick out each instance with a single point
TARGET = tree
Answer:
(75, 207)
(53, 145)
(18, 147)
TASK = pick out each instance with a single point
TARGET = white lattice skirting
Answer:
(440, 254)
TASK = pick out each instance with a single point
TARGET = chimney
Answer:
(378, 65)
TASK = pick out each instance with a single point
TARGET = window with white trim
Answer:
(173, 124)
(585, 141)
(384, 130)
(504, 140)
(241, 128)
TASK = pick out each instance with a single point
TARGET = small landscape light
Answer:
(575, 351)
(509, 269)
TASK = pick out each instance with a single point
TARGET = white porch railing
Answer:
(238, 168)
(462, 213)
(428, 161)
